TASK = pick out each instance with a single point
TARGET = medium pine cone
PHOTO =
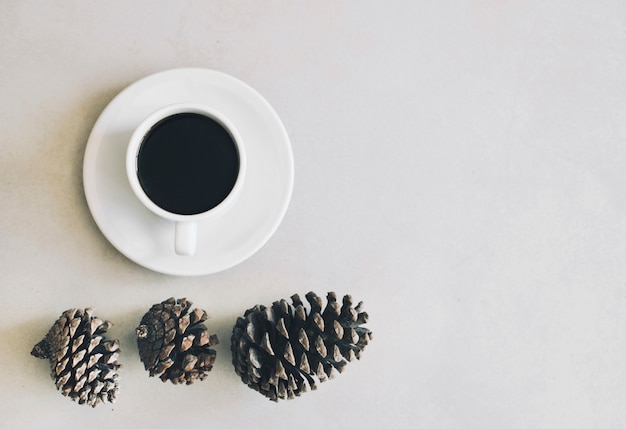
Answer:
(280, 351)
(174, 343)
(83, 363)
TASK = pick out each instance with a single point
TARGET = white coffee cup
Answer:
(185, 225)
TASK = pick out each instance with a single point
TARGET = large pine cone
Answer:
(83, 363)
(174, 343)
(280, 351)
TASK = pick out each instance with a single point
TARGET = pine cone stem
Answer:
(41, 350)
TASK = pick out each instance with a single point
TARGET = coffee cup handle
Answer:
(185, 238)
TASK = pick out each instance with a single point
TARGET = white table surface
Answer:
(460, 167)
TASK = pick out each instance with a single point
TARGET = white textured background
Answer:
(460, 167)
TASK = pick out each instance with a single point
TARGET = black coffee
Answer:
(187, 163)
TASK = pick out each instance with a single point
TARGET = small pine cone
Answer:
(83, 363)
(280, 351)
(174, 343)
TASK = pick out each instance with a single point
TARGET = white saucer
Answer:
(224, 242)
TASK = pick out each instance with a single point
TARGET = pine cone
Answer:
(174, 343)
(83, 363)
(281, 350)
